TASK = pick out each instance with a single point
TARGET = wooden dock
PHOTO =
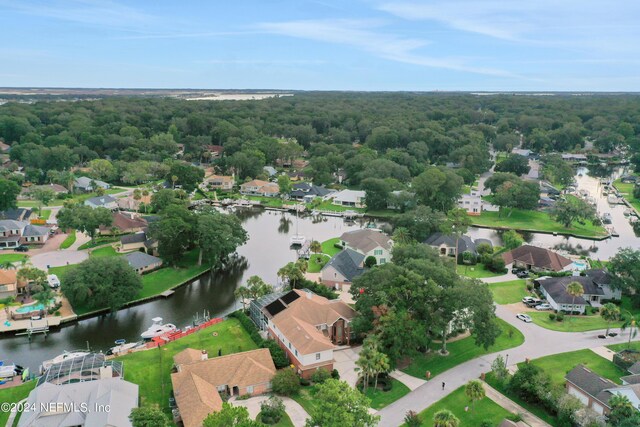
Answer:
(167, 293)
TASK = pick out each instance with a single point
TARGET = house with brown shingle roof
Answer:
(309, 328)
(258, 187)
(125, 222)
(198, 382)
(536, 259)
(369, 242)
(8, 283)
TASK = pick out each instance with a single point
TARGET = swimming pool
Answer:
(579, 265)
(30, 308)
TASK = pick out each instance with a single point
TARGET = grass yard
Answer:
(59, 202)
(306, 398)
(285, 421)
(151, 369)
(98, 241)
(627, 191)
(327, 206)
(634, 345)
(70, 240)
(271, 202)
(571, 324)
(328, 246)
(558, 365)
(107, 251)
(12, 257)
(478, 271)
(380, 399)
(45, 214)
(456, 402)
(509, 292)
(536, 221)
(14, 395)
(462, 351)
(314, 265)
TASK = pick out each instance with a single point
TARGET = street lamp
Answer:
(506, 361)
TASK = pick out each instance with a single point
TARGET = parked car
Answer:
(522, 274)
(22, 248)
(53, 280)
(527, 300)
(516, 270)
(525, 318)
(544, 306)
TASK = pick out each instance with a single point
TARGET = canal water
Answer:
(266, 251)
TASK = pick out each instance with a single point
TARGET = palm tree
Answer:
(401, 236)
(445, 418)
(173, 180)
(366, 362)
(574, 289)
(474, 391)
(257, 287)
(631, 323)
(381, 365)
(621, 408)
(609, 312)
(7, 265)
(243, 294)
(316, 248)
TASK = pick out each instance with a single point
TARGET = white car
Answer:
(544, 306)
(525, 318)
(53, 280)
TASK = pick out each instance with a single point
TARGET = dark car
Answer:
(522, 274)
(516, 270)
(22, 248)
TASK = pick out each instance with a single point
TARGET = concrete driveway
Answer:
(296, 413)
(345, 363)
(58, 258)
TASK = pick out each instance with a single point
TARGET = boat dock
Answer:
(167, 293)
(39, 326)
(26, 324)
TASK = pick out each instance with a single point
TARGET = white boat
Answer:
(122, 347)
(158, 329)
(61, 358)
(9, 371)
(297, 239)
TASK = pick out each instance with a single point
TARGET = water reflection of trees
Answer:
(284, 225)
(244, 214)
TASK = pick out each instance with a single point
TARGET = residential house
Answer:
(105, 201)
(17, 214)
(595, 391)
(129, 203)
(142, 262)
(258, 187)
(214, 151)
(297, 175)
(472, 203)
(445, 244)
(368, 242)
(199, 380)
(340, 271)
(548, 190)
(596, 285)
(86, 184)
(105, 402)
(220, 182)
(132, 242)
(14, 233)
(125, 222)
(522, 152)
(255, 308)
(536, 259)
(309, 328)
(349, 198)
(28, 192)
(306, 192)
(270, 171)
(629, 179)
(8, 283)
(574, 157)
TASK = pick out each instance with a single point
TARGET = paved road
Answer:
(539, 342)
(58, 258)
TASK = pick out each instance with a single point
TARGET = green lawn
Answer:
(70, 240)
(627, 191)
(380, 399)
(478, 271)
(45, 214)
(536, 221)
(14, 395)
(272, 202)
(107, 251)
(60, 202)
(456, 402)
(509, 292)
(329, 248)
(314, 265)
(571, 324)
(558, 365)
(634, 345)
(285, 421)
(98, 241)
(462, 351)
(327, 206)
(151, 369)
(12, 257)
(306, 397)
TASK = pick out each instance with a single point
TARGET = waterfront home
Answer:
(596, 285)
(8, 283)
(105, 201)
(220, 182)
(595, 391)
(536, 259)
(199, 381)
(445, 244)
(340, 271)
(87, 184)
(309, 328)
(15, 233)
(257, 187)
(349, 198)
(306, 192)
(60, 405)
(142, 262)
(125, 222)
(368, 242)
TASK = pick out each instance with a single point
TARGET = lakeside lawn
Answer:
(536, 221)
(558, 365)
(578, 323)
(12, 257)
(328, 246)
(478, 271)
(627, 191)
(14, 395)
(70, 240)
(509, 292)
(461, 351)
(456, 402)
(380, 399)
(151, 369)
(326, 205)
(316, 262)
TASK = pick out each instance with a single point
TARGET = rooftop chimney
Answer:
(204, 355)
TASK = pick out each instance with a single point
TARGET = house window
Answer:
(289, 346)
(383, 260)
(317, 356)
(250, 389)
(296, 352)
(377, 252)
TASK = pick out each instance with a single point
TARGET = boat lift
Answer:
(39, 326)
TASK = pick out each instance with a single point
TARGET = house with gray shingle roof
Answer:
(369, 242)
(445, 244)
(14, 233)
(342, 268)
(86, 184)
(142, 262)
(105, 201)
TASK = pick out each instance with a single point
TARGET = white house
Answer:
(351, 198)
(85, 184)
(368, 242)
(105, 201)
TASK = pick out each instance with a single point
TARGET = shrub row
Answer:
(277, 354)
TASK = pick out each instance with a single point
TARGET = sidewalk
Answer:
(604, 352)
(513, 407)
(81, 239)
(408, 380)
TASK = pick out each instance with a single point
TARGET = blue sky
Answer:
(536, 45)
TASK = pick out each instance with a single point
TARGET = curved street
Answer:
(539, 342)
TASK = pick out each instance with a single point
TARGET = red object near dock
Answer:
(172, 336)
